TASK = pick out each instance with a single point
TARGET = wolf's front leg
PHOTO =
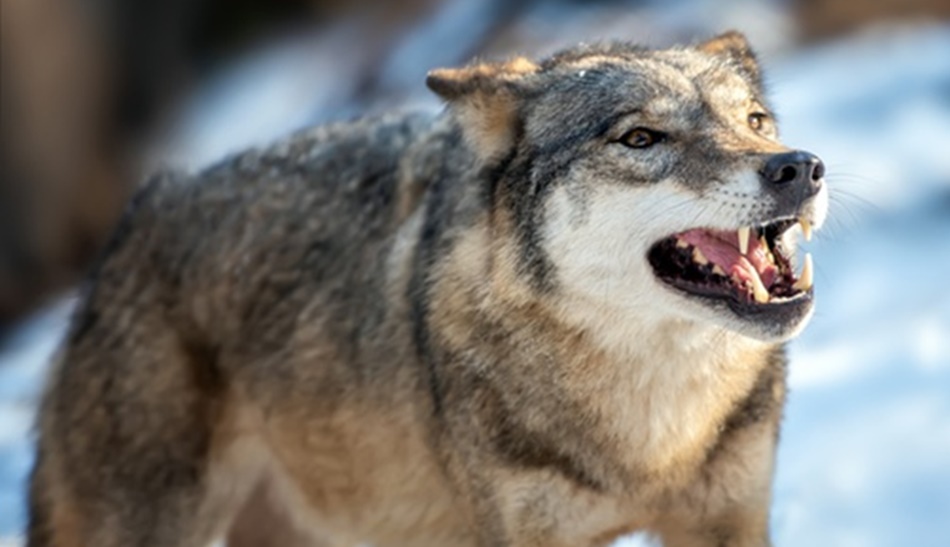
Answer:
(742, 528)
(728, 504)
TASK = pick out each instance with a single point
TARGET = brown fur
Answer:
(373, 332)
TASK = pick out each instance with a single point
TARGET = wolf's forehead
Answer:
(717, 80)
(668, 82)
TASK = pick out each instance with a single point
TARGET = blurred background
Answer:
(96, 93)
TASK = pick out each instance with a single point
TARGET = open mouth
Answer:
(750, 267)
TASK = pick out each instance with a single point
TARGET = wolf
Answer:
(550, 315)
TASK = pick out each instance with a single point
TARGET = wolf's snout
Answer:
(796, 169)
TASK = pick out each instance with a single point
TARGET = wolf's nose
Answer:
(797, 167)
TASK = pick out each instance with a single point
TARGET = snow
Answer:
(865, 454)
(23, 360)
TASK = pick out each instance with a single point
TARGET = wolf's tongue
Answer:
(722, 249)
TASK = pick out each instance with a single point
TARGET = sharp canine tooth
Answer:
(681, 243)
(717, 269)
(759, 291)
(806, 228)
(805, 279)
(744, 239)
(699, 257)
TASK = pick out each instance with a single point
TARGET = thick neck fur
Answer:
(650, 393)
(656, 393)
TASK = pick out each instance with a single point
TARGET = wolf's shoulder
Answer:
(318, 201)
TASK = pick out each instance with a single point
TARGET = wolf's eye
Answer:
(757, 120)
(641, 137)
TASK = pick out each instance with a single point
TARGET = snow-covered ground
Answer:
(865, 453)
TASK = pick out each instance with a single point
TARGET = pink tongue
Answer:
(722, 248)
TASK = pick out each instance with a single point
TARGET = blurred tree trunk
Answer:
(827, 18)
(60, 181)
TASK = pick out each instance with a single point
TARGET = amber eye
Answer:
(757, 120)
(641, 137)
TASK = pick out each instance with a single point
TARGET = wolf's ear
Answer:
(733, 46)
(485, 100)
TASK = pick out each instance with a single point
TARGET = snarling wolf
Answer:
(549, 316)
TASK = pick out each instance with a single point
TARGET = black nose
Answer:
(798, 168)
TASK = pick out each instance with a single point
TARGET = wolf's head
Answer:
(647, 184)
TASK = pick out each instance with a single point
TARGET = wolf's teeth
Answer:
(805, 279)
(699, 257)
(681, 243)
(806, 228)
(717, 269)
(744, 239)
(759, 292)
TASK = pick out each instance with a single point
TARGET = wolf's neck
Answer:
(662, 390)
(667, 386)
